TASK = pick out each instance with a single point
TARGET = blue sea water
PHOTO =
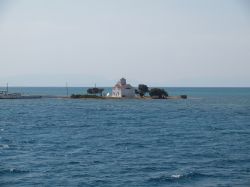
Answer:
(201, 141)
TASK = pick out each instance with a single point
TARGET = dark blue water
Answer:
(201, 141)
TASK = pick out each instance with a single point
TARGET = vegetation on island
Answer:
(183, 96)
(154, 93)
(157, 93)
(142, 90)
(85, 96)
(94, 93)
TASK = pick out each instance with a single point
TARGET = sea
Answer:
(201, 141)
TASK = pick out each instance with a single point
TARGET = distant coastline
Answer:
(121, 90)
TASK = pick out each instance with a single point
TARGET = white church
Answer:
(122, 89)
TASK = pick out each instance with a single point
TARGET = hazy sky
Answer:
(156, 42)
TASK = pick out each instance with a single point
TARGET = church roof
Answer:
(119, 85)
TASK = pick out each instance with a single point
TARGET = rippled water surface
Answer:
(201, 141)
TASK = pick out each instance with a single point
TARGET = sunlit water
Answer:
(201, 141)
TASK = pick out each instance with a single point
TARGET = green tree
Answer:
(95, 91)
(158, 93)
(142, 89)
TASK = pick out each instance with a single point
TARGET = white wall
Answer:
(116, 92)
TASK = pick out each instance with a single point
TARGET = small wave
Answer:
(74, 163)
(150, 169)
(177, 177)
(231, 161)
(130, 144)
(17, 171)
(12, 171)
(4, 146)
(1, 129)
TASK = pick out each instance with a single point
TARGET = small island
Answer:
(124, 90)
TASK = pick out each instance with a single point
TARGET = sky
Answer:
(195, 43)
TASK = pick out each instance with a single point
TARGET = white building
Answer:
(122, 89)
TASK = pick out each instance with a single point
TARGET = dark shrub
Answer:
(136, 92)
(95, 91)
(158, 93)
(78, 96)
(184, 96)
(142, 89)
